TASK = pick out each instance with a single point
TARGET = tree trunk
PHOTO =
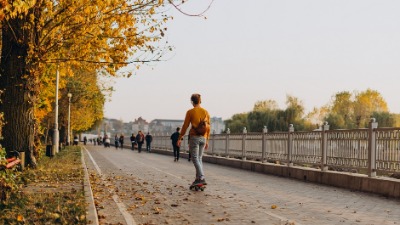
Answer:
(18, 97)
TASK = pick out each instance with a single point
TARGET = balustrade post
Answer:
(372, 148)
(168, 143)
(228, 132)
(324, 147)
(212, 141)
(264, 144)
(244, 136)
(290, 145)
(165, 142)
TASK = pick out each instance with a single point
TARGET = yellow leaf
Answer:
(152, 11)
(39, 211)
(20, 218)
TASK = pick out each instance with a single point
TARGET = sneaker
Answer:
(196, 182)
(203, 181)
(174, 160)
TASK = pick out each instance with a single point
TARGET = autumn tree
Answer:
(294, 111)
(342, 112)
(266, 105)
(86, 104)
(41, 36)
(317, 116)
(385, 119)
(355, 110)
(263, 114)
(267, 113)
(396, 120)
(366, 103)
(237, 122)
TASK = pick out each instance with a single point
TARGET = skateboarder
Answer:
(199, 118)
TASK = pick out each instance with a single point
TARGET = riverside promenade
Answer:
(149, 188)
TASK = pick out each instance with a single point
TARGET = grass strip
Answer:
(50, 194)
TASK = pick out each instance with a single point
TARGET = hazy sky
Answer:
(247, 51)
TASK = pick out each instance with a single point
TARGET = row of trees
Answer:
(346, 111)
(81, 40)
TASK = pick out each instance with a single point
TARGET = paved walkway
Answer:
(150, 188)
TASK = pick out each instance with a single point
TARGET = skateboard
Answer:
(197, 187)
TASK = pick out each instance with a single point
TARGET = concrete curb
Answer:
(91, 212)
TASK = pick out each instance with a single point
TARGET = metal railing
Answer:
(366, 151)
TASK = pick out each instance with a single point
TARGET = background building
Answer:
(217, 125)
(156, 126)
(164, 126)
(140, 124)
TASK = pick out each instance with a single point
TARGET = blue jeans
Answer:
(196, 148)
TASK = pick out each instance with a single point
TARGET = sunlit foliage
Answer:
(355, 110)
(42, 37)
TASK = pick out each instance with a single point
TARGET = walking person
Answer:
(199, 134)
(149, 139)
(133, 141)
(76, 140)
(140, 140)
(176, 148)
(121, 141)
(106, 141)
(116, 140)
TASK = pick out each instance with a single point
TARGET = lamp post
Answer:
(69, 118)
(56, 133)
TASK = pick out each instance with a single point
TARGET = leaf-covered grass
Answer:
(51, 194)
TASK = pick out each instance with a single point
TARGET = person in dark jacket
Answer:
(121, 141)
(175, 146)
(149, 139)
(116, 141)
(140, 140)
(133, 141)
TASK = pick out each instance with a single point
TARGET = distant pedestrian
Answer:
(133, 141)
(140, 140)
(176, 148)
(106, 141)
(116, 141)
(84, 140)
(121, 141)
(76, 140)
(199, 133)
(149, 139)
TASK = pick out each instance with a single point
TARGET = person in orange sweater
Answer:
(197, 142)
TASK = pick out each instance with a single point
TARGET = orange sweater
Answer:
(193, 117)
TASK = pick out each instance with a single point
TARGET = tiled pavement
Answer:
(153, 189)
